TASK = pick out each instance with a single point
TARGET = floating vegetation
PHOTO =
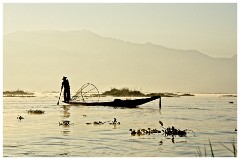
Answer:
(20, 117)
(229, 95)
(196, 108)
(114, 122)
(170, 131)
(35, 111)
(65, 123)
(141, 132)
(98, 123)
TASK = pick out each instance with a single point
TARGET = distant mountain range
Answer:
(37, 60)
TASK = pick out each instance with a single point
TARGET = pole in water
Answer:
(59, 97)
(160, 103)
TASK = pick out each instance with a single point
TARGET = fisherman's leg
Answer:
(68, 95)
(65, 95)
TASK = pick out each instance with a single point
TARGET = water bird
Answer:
(98, 123)
(114, 122)
(161, 142)
(20, 117)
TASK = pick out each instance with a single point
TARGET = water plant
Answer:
(65, 123)
(114, 122)
(233, 150)
(35, 111)
(199, 153)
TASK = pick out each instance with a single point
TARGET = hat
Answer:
(64, 77)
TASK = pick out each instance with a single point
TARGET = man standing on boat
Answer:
(66, 92)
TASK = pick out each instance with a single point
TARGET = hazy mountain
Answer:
(37, 60)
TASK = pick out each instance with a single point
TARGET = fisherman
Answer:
(66, 92)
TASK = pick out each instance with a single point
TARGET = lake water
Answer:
(209, 116)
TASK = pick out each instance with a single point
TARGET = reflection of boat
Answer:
(117, 102)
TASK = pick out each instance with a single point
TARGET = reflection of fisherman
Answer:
(66, 92)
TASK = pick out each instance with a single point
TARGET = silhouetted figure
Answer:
(66, 92)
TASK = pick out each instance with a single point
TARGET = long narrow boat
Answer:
(117, 102)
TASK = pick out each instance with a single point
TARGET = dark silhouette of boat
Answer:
(117, 102)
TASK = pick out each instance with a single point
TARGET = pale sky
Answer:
(208, 28)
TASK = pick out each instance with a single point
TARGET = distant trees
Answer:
(17, 93)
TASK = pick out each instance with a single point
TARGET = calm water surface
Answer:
(209, 116)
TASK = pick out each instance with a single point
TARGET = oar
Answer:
(59, 97)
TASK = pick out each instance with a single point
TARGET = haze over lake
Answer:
(83, 56)
(149, 47)
(187, 49)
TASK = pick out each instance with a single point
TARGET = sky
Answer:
(208, 28)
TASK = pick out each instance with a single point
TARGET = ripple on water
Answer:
(40, 135)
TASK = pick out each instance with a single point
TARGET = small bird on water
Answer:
(20, 117)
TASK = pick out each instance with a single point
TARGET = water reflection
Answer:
(114, 126)
(65, 132)
(66, 114)
(64, 151)
(51, 140)
(160, 111)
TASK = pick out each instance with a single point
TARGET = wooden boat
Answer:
(117, 102)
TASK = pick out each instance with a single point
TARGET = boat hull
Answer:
(117, 102)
